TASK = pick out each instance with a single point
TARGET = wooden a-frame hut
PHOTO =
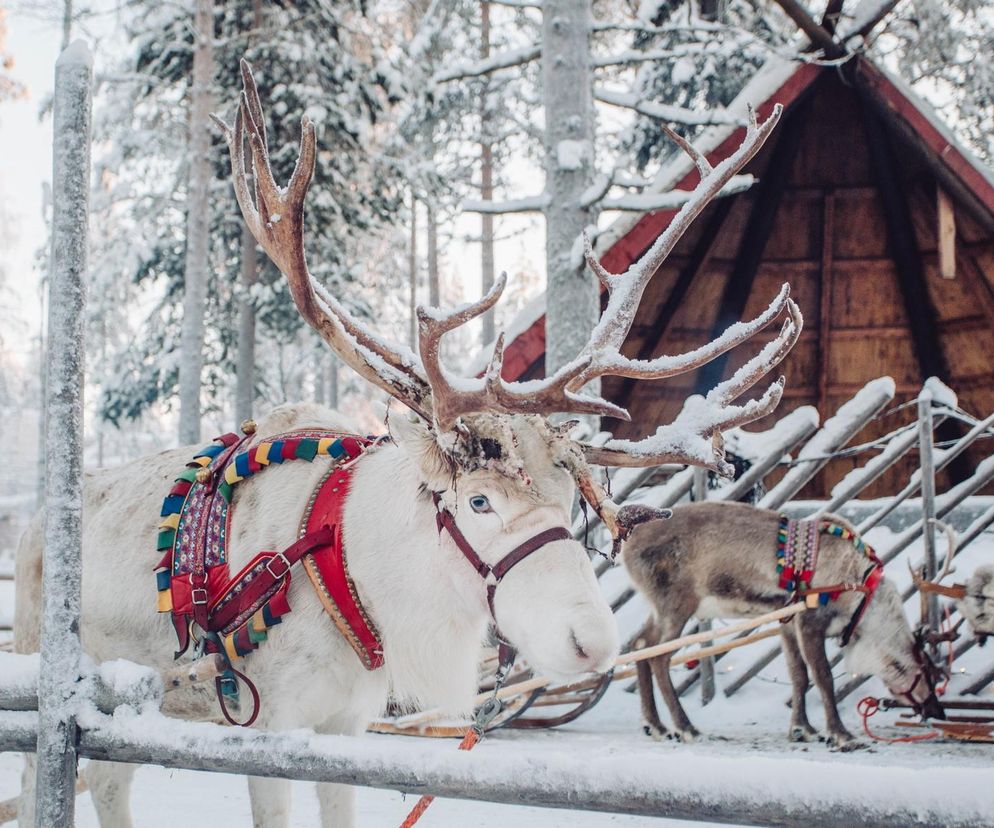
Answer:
(882, 223)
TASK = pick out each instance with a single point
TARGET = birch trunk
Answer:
(333, 382)
(59, 677)
(412, 263)
(486, 186)
(572, 293)
(434, 291)
(245, 364)
(197, 226)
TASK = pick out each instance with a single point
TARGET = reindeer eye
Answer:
(478, 503)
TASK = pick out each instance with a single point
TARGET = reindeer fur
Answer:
(977, 605)
(427, 602)
(718, 560)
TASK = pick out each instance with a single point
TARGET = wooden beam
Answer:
(869, 25)
(825, 300)
(903, 245)
(830, 17)
(807, 24)
(946, 233)
(769, 195)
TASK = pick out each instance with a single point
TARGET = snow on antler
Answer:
(274, 216)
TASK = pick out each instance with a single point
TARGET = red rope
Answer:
(468, 742)
(868, 706)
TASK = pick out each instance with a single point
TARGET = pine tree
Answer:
(306, 60)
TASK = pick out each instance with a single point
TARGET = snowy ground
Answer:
(747, 729)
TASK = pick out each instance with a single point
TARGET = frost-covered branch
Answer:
(665, 112)
(672, 200)
(692, 27)
(530, 204)
(477, 68)
(630, 57)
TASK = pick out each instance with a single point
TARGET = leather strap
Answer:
(224, 706)
(493, 575)
(268, 571)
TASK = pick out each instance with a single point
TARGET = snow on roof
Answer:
(771, 77)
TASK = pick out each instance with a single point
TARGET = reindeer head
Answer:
(484, 446)
(884, 645)
(974, 599)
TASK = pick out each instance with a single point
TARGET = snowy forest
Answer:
(437, 123)
(749, 244)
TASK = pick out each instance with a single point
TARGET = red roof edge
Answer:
(947, 151)
(529, 345)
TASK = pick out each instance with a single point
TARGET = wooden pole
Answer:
(700, 494)
(638, 655)
(60, 648)
(927, 462)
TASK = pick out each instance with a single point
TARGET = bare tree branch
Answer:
(529, 204)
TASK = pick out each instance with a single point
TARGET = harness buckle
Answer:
(280, 559)
(198, 596)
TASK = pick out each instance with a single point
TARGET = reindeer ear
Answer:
(414, 436)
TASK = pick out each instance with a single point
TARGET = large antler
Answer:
(275, 217)
(692, 436)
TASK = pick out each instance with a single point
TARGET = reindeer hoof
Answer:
(687, 735)
(658, 733)
(802, 733)
(845, 742)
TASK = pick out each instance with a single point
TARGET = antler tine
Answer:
(952, 541)
(275, 217)
(690, 438)
(771, 355)
(602, 273)
(625, 290)
(452, 398)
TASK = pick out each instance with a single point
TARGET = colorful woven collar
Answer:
(193, 579)
(798, 543)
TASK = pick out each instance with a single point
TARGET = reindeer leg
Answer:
(670, 628)
(811, 637)
(648, 636)
(800, 728)
(110, 788)
(650, 714)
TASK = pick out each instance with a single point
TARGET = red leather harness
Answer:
(235, 613)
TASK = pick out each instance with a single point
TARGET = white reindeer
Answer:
(484, 445)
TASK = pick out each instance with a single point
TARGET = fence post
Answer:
(60, 647)
(700, 493)
(927, 462)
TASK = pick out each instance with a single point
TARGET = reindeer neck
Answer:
(427, 603)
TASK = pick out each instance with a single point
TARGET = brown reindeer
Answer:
(719, 560)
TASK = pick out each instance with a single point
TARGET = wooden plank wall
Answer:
(832, 241)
